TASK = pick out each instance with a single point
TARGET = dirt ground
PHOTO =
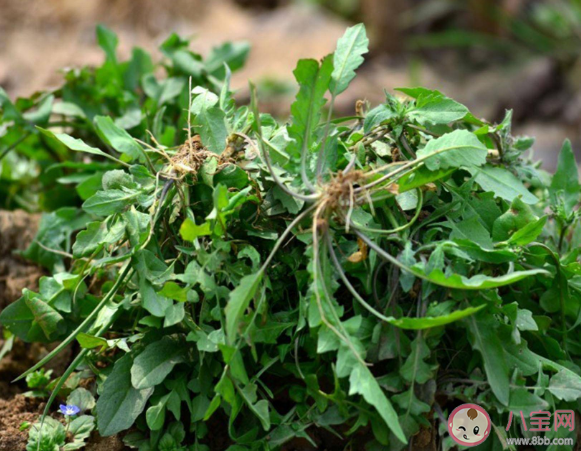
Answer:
(17, 229)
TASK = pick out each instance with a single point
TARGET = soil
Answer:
(17, 229)
(105, 444)
(13, 412)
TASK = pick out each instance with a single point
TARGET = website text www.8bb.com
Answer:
(532, 441)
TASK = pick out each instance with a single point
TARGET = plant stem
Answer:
(13, 145)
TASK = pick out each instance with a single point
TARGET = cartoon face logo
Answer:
(469, 425)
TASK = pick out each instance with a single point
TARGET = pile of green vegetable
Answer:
(343, 282)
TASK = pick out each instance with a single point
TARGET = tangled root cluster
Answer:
(191, 156)
(338, 192)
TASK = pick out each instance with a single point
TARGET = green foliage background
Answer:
(360, 276)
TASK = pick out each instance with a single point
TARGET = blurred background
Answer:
(488, 54)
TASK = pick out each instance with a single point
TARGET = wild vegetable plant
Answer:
(332, 280)
(100, 106)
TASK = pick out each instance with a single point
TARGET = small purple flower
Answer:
(69, 410)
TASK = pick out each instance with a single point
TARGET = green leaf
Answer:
(151, 367)
(566, 385)
(105, 203)
(19, 319)
(348, 57)
(377, 116)
(459, 148)
(152, 268)
(502, 183)
(118, 138)
(415, 369)
(82, 398)
(174, 314)
(522, 400)
(120, 403)
(470, 229)
(408, 401)
(9, 111)
(45, 316)
(516, 218)
(428, 322)
(204, 99)
(573, 378)
(529, 232)
(239, 301)
(89, 341)
(211, 124)
(155, 415)
(433, 107)
(484, 338)
(422, 176)
(75, 144)
(108, 41)
(314, 81)
(477, 282)
(233, 54)
(42, 113)
(95, 235)
(189, 230)
(80, 429)
(50, 436)
(363, 382)
(565, 183)
(155, 303)
(173, 291)
(137, 226)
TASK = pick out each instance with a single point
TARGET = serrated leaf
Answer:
(314, 81)
(348, 57)
(427, 322)
(363, 382)
(415, 369)
(479, 281)
(565, 183)
(484, 338)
